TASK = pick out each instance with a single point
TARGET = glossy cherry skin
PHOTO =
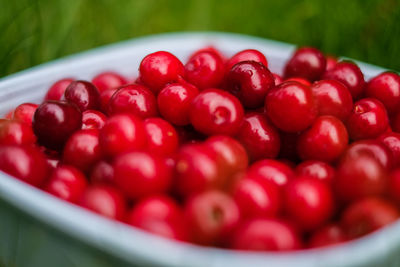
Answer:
(250, 81)
(159, 68)
(141, 174)
(308, 202)
(54, 122)
(102, 173)
(291, 106)
(162, 139)
(316, 169)
(350, 75)
(181, 95)
(392, 142)
(122, 133)
(331, 61)
(211, 217)
(246, 55)
(215, 111)
(25, 112)
(306, 62)
(394, 185)
(105, 97)
(325, 140)
(271, 170)
(14, 132)
(83, 94)
(210, 49)
(135, 99)
(332, 98)
(386, 88)
(299, 80)
(104, 200)
(368, 215)
(26, 163)
(108, 80)
(66, 182)
(56, 91)
(93, 119)
(259, 137)
(328, 235)
(266, 235)
(205, 70)
(159, 215)
(82, 149)
(367, 120)
(278, 78)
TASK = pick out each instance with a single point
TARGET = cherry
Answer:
(278, 78)
(93, 119)
(328, 235)
(141, 174)
(26, 163)
(250, 81)
(266, 235)
(14, 132)
(108, 80)
(386, 88)
(332, 98)
(182, 95)
(392, 142)
(56, 91)
(122, 133)
(394, 185)
(204, 70)
(159, 68)
(102, 173)
(325, 140)
(350, 75)
(83, 94)
(211, 216)
(259, 137)
(368, 215)
(299, 80)
(367, 120)
(105, 97)
(162, 139)
(316, 169)
(135, 99)
(331, 61)
(291, 106)
(25, 112)
(54, 122)
(210, 49)
(247, 55)
(272, 170)
(66, 182)
(215, 111)
(306, 62)
(104, 200)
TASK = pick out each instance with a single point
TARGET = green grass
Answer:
(36, 31)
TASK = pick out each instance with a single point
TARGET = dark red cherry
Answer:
(328, 235)
(105, 97)
(108, 80)
(386, 88)
(56, 91)
(246, 55)
(306, 62)
(83, 94)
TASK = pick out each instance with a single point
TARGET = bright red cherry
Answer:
(211, 217)
(291, 106)
(83, 94)
(141, 174)
(162, 139)
(367, 120)
(350, 75)
(278, 78)
(325, 140)
(331, 61)
(25, 112)
(299, 80)
(122, 133)
(306, 62)
(332, 98)
(56, 91)
(93, 119)
(394, 185)
(246, 55)
(205, 70)
(271, 170)
(14, 132)
(316, 169)
(135, 99)
(159, 68)
(66, 182)
(215, 111)
(266, 235)
(102, 173)
(250, 81)
(328, 235)
(54, 122)
(210, 49)
(108, 80)
(386, 88)
(105, 97)
(392, 142)
(259, 137)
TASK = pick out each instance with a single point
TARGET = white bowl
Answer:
(39, 230)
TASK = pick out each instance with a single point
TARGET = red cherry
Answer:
(259, 137)
(102, 173)
(386, 88)
(278, 78)
(215, 111)
(25, 112)
(316, 169)
(299, 80)
(211, 216)
(331, 61)
(306, 62)
(83, 94)
(162, 139)
(392, 142)
(66, 182)
(332, 98)
(159, 68)
(328, 235)
(266, 235)
(105, 97)
(325, 140)
(210, 49)
(350, 75)
(108, 80)
(141, 174)
(250, 81)
(246, 55)
(367, 120)
(135, 99)
(394, 185)
(56, 91)
(93, 119)
(291, 106)
(14, 132)
(271, 170)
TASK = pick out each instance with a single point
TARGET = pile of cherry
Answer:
(220, 152)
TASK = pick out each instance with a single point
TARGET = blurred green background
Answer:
(36, 31)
